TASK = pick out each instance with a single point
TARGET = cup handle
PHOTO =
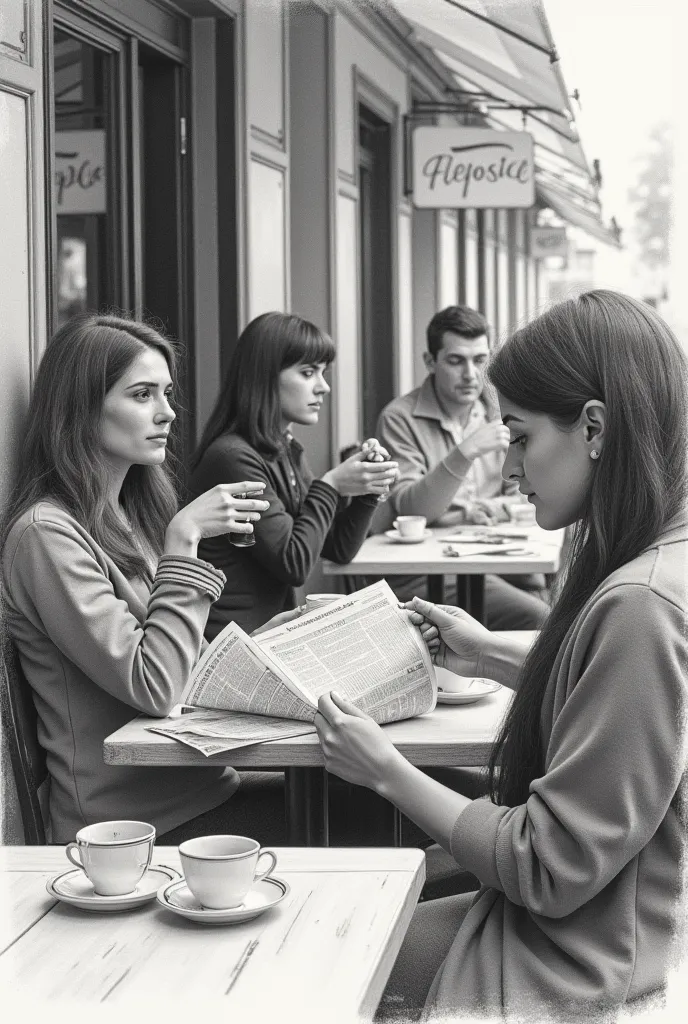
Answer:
(70, 848)
(259, 875)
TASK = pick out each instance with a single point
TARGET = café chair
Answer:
(27, 758)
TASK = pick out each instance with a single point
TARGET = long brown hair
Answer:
(61, 457)
(608, 347)
(248, 403)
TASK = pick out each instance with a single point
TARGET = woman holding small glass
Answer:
(277, 377)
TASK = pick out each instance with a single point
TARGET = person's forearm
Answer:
(432, 495)
(180, 541)
(432, 806)
(503, 661)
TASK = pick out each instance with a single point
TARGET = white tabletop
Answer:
(449, 735)
(324, 954)
(379, 555)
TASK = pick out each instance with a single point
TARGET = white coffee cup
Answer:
(449, 682)
(220, 870)
(320, 600)
(114, 855)
(411, 527)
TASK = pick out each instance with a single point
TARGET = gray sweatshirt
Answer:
(98, 649)
(580, 884)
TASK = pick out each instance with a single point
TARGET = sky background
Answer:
(624, 57)
(620, 55)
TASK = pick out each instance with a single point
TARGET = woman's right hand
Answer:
(463, 640)
(357, 476)
(222, 509)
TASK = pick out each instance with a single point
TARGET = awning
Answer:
(502, 58)
(576, 213)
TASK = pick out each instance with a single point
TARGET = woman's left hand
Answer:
(355, 747)
(428, 631)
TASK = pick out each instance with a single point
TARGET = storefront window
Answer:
(80, 186)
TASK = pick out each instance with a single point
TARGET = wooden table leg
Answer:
(305, 794)
(476, 597)
(470, 595)
(436, 589)
(359, 817)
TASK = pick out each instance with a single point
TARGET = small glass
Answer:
(244, 540)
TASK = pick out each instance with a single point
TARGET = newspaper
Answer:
(364, 646)
(215, 732)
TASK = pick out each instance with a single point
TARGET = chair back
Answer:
(27, 758)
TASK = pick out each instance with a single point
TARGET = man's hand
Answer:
(491, 437)
(485, 512)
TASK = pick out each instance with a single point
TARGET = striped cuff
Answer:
(190, 572)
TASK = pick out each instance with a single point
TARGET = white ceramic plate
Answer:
(474, 690)
(73, 887)
(266, 893)
(395, 535)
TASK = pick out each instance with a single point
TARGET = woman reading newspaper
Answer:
(275, 378)
(104, 595)
(578, 847)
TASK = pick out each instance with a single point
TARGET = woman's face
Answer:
(136, 416)
(302, 390)
(552, 465)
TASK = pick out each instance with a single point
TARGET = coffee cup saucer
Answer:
(472, 691)
(263, 895)
(73, 887)
(395, 535)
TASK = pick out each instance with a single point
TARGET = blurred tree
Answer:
(651, 198)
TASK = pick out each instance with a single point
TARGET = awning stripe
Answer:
(572, 212)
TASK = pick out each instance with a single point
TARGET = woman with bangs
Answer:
(275, 378)
(578, 847)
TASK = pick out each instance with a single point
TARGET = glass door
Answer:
(85, 196)
(375, 262)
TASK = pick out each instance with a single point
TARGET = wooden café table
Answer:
(450, 736)
(323, 954)
(380, 556)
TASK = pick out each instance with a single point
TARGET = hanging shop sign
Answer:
(80, 172)
(472, 167)
(548, 241)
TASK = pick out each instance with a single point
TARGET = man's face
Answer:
(459, 369)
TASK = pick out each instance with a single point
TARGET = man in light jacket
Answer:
(449, 440)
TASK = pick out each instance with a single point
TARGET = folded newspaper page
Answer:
(215, 732)
(364, 646)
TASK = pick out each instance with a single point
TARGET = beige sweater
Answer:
(580, 883)
(98, 649)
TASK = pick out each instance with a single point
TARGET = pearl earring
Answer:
(594, 454)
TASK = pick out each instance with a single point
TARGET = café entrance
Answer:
(121, 183)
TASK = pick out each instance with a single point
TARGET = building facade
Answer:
(203, 161)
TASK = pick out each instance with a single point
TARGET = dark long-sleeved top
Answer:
(98, 648)
(580, 884)
(306, 519)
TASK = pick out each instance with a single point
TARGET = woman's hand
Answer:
(374, 452)
(428, 631)
(462, 639)
(357, 476)
(355, 747)
(278, 620)
(222, 509)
